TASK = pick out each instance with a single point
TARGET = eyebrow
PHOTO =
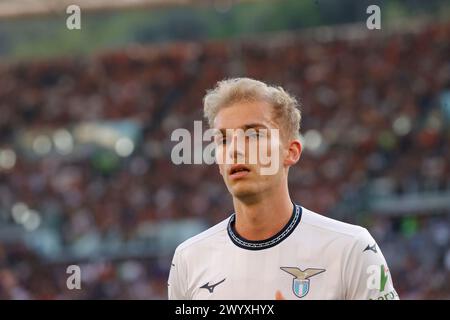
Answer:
(246, 127)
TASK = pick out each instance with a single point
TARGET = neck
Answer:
(265, 215)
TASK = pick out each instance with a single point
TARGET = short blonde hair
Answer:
(229, 91)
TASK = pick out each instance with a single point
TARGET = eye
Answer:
(252, 134)
(220, 140)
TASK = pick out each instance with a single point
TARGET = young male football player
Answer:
(271, 247)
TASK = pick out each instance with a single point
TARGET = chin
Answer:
(241, 191)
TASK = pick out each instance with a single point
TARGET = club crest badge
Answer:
(301, 282)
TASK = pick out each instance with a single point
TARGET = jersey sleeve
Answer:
(177, 278)
(366, 274)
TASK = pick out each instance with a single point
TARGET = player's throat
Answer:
(265, 243)
(261, 226)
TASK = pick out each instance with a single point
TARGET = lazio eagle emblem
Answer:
(300, 283)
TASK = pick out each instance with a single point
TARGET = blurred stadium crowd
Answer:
(376, 113)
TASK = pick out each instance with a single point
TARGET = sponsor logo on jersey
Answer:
(371, 248)
(211, 287)
(301, 282)
(391, 295)
(378, 276)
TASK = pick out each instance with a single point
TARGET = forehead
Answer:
(240, 114)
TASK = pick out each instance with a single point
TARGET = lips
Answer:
(238, 171)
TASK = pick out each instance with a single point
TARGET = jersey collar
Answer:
(267, 243)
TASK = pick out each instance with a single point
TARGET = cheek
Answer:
(274, 149)
(219, 159)
(219, 155)
(280, 149)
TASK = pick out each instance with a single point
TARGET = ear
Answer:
(294, 152)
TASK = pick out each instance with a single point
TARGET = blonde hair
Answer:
(229, 91)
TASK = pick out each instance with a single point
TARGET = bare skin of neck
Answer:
(262, 216)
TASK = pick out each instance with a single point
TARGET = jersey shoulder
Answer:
(331, 226)
(205, 236)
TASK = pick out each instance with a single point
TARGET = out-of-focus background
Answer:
(86, 117)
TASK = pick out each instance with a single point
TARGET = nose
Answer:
(236, 147)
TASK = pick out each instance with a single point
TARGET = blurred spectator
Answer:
(373, 109)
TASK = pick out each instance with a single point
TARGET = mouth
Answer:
(238, 171)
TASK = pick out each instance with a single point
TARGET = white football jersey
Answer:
(312, 257)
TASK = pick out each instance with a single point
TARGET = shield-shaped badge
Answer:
(300, 287)
(300, 283)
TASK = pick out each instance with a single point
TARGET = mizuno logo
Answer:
(211, 287)
(371, 248)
